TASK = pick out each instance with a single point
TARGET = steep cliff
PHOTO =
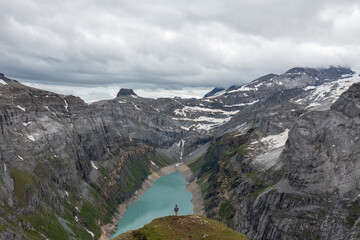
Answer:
(307, 188)
(276, 158)
(66, 165)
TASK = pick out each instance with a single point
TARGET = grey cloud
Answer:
(176, 44)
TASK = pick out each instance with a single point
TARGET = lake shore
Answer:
(110, 228)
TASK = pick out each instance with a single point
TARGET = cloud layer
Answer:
(172, 44)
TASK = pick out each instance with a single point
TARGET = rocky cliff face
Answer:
(276, 158)
(307, 188)
(62, 157)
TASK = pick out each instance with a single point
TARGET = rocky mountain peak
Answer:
(214, 91)
(126, 92)
(349, 102)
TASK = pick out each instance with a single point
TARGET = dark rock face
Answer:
(277, 158)
(213, 92)
(126, 92)
(349, 102)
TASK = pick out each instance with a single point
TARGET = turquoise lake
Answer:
(158, 201)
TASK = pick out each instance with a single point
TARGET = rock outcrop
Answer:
(183, 227)
(126, 92)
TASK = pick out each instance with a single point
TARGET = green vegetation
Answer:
(48, 224)
(310, 235)
(2, 228)
(23, 181)
(257, 192)
(354, 213)
(88, 215)
(181, 228)
(139, 169)
(215, 171)
(255, 179)
(158, 159)
(197, 164)
(226, 210)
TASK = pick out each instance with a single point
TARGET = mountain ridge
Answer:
(71, 164)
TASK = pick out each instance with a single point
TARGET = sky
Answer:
(92, 48)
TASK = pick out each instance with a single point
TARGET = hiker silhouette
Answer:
(176, 210)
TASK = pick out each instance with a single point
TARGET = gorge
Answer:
(276, 158)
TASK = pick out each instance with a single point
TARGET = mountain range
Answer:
(276, 158)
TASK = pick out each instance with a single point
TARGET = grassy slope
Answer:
(218, 178)
(183, 227)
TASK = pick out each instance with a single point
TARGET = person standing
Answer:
(176, 210)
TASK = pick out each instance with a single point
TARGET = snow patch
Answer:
(4, 167)
(31, 137)
(276, 141)
(324, 95)
(156, 109)
(182, 145)
(20, 157)
(309, 88)
(269, 159)
(185, 109)
(66, 105)
(205, 119)
(314, 104)
(3, 82)
(242, 104)
(152, 163)
(92, 234)
(93, 165)
(244, 89)
(186, 128)
(66, 193)
(206, 127)
(180, 112)
(21, 108)
(77, 209)
(25, 124)
(136, 107)
(121, 102)
(217, 94)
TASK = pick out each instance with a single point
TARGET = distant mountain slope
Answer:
(288, 174)
(181, 228)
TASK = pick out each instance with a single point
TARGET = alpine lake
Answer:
(158, 201)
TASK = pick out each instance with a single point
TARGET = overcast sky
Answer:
(159, 48)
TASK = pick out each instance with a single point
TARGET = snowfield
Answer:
(276, 141)
(326, 94)
(3, 82)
